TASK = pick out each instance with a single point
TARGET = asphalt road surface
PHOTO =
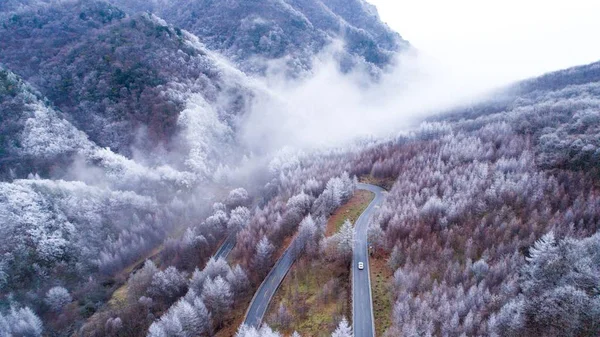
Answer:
(362, 309)
(266, 291)
(226, 246)
(362, 304)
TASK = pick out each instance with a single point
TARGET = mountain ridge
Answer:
(295, 29)
(124, 80)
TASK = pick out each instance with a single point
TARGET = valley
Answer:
(273, 168)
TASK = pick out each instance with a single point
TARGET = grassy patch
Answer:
(381, 275)
(119, 297)
(316, 295)
(350, 210)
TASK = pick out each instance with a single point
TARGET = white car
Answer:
(361, 266)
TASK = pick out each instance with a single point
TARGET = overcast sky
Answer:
(501, 40)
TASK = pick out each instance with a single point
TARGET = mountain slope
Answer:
(559, 110)
(251, 31)
(33, 136)
(113, 127)
(122, 80)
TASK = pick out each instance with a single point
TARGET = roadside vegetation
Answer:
(381, 288)
(316, 294)
(312, 299)
(349, 211)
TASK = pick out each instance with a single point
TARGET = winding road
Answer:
(260, 302)
(362, 306)
(226, 246)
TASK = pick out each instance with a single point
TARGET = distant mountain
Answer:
(35, 138)
(558, 110)
(122, 80)
(583, 74)
(249, 31)
(572, 80)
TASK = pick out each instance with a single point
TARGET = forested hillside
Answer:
(34, 137)
(130, 204)
(118, 132)
(490, 224)
(250, 32)
(483, 223)
(123, 80)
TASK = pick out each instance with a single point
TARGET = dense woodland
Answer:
(119, 180)
(126, 81)
(291, 31)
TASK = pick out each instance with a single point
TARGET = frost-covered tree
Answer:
(196, 283)
(295, 209)
(189, 250)
(57, 298)
(543, 248)
(480, 268)
(263, 257)
(158, 330)
(22, 322)
(140, 281)
(183, 319)
(250, 331)
(238, 279)
(204, 316)
(216, 267)
(345, 240)
(238, 218)
(326, 203)
(337, 191)
(312, 187)
(237, 197)
(510, 321)
(299, 202)
(559, 291)
(343, 329)
(217, 222)
(218, 297)
(376, 235)
(169, 283)
(113, 325)
(306, 239)
(219, 206)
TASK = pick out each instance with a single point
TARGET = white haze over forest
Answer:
(331, 108)
(461, 50)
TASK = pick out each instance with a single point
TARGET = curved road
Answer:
(362, 304)
(266, 291)
(227, 246)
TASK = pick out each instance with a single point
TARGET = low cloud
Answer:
(331, 108)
